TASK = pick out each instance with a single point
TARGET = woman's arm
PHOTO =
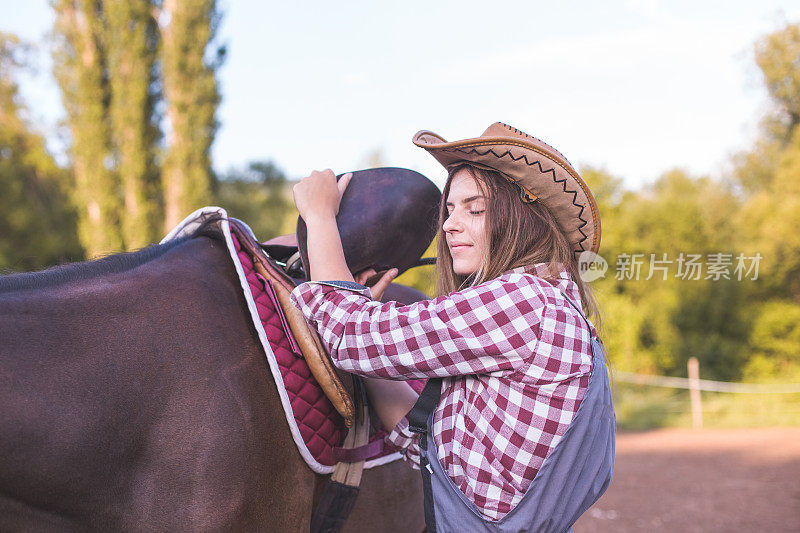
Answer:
(392, 400)
(487, 328)
(317, 198)
(325, 252)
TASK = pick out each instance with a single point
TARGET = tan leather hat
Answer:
(542, 173)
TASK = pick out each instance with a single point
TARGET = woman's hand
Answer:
(319, 194)
(378, 287)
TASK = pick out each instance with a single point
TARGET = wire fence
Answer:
(705, 385)
(696, 386)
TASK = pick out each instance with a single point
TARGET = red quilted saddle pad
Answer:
(320, 425)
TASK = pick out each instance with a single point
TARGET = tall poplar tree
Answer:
(131, 42)
(80, 67)
(190, 89)
(37, 221)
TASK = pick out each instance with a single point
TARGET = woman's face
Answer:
(465, 224)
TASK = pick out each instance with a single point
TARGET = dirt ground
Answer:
(708, 480)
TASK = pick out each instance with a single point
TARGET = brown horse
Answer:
(135, 396)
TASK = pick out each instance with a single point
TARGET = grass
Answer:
(644, 407)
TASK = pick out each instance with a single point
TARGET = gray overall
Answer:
(574, 475)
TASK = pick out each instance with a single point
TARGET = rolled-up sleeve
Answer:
(491, 327)
(405, 441)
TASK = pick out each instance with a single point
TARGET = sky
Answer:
(636, 87)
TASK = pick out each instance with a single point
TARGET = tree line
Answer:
(739, 329)
(138, 82)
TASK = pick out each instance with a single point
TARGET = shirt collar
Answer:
(565, 282)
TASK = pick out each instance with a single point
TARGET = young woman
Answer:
(522, 435)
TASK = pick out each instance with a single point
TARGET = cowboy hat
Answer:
(541, 172)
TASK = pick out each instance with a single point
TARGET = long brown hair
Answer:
(519, 234)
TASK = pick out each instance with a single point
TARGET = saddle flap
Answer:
(311, 347)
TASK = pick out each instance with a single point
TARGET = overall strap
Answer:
(426, 403)
(418, 423)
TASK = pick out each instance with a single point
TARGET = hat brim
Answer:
(536, 167)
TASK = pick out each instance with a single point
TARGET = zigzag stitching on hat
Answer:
(515, 130)
(551, 171)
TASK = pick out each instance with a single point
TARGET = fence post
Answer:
(694, 393)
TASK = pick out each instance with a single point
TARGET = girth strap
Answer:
(341, 489)
(418, 423)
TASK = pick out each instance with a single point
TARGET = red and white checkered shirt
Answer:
(515, 357)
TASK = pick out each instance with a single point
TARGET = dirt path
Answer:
(709, 480)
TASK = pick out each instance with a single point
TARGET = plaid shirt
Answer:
(514, 354)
